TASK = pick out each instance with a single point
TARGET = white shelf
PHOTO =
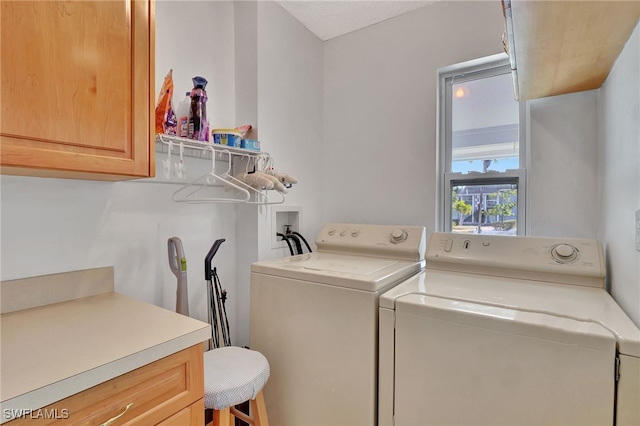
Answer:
(206, 182)
(203, 146)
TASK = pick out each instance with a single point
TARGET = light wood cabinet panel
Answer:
(566, 46)
(77, 88)
(169, 391)
(192, 415)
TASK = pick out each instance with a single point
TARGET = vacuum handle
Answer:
(177, 260)
(178, 265)
(208, 273)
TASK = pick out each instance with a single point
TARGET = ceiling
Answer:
(332, 18)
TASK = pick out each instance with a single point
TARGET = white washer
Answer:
(504, 330)
(315, 318)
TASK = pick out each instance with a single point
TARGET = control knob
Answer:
(564, 253)
(398, 236)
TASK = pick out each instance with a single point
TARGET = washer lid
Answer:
(357, 272)
(537, 325)
(586, 304)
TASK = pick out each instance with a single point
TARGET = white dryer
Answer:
(315, 318)
(504, 330)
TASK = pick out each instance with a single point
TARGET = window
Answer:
(482, 161)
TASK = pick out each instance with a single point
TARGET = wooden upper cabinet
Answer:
(559, 47)
(77, 88)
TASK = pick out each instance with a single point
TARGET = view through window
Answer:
(483, 175)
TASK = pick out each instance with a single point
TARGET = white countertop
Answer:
(53, 351)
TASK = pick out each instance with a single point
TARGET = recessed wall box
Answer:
(280, 217)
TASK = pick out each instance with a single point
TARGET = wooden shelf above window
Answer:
(559, 47)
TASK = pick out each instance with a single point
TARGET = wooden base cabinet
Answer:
(77, 92)
(167, 392)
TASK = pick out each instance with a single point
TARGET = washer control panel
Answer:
(495, 254)
(391, 241)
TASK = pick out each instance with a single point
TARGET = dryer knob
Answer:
(398, 236)
(565, 250)
(564, 253)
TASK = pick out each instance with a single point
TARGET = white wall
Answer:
(355, 120)
(290, 107)
(284, 102)
(247, 216)
(563, 170)
(52, 225)
(56, 225)
(619, 179)
(197, 38)
(380, 109)
(380, 124)
(289, 123)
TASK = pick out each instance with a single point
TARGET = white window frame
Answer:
(468, 71)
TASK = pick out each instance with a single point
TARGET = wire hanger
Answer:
(253, 191)
(167, 162)
(189, 193)
(261, 197)
(181, 170)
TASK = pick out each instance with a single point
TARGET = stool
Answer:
(233, 375)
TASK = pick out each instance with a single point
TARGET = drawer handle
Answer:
(113, 419)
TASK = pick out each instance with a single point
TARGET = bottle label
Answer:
(183, 127)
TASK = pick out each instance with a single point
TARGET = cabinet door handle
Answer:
(113, 419)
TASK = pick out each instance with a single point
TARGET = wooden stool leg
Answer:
(222, 417)
(259, 411)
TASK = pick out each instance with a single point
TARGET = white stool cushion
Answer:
(233, 375)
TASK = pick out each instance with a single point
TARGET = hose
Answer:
(296, 241)
(305, 241)
(284, 238)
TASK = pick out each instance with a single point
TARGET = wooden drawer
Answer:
(192, 415)
(156, 391)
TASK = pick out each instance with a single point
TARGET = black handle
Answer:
(207, 260)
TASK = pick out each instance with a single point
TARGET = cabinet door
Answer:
(76, 88)
(149, 395)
